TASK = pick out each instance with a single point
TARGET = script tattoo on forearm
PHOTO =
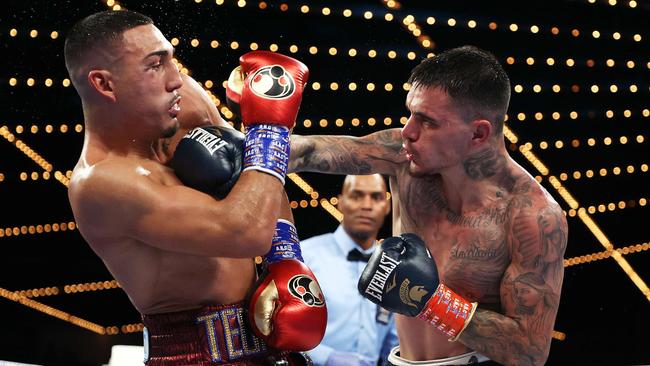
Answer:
(346, 154)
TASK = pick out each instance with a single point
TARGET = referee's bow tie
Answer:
(356, 255)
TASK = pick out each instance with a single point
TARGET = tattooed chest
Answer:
(470, 250)
(470, 261)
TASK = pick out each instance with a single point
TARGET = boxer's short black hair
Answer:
(473, 78)
(97, 31)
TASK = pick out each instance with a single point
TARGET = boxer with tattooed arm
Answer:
(486, 233)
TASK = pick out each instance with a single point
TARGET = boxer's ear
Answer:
(481, 129)
(100, 81)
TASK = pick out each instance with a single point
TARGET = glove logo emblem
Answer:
(392, 284)
(306, 289)
(272, 82)
(409, 295)
(208, 140)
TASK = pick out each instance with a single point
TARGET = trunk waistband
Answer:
(469, 358)
(219, 334)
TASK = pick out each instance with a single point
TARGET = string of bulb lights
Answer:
(611, 206)
(598, 207)
(429, 20)
(388, 86)
(33, 155)
(37, 229)
(49, 128)
(387, 121)
(412, 55)
(49, 310)
(631, 3)
(34, 176)
(590, 173)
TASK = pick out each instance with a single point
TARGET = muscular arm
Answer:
(378, 152)
(530, 292)
(198, 109)
(120, 203)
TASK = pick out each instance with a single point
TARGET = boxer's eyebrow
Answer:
(425, 117)
(160, 53)
(157, 53)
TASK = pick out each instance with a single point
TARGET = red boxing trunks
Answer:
(212, 335)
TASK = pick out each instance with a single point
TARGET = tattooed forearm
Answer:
(327, 154)
(502, 339)
(376, 153)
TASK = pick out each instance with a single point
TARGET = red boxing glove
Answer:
(287, 308)
(268, 88)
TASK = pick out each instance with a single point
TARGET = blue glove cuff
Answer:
(286, 244)
(266, 149)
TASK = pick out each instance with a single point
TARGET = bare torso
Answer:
(155, 279)
(501, 247)
(472, 251)
(158, 280)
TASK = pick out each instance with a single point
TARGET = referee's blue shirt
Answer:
(354, 324)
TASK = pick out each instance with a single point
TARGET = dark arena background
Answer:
(578, 121)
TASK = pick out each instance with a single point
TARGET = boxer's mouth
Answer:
(175, 107)
(409, 155)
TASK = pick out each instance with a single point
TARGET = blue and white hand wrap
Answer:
(286, 244)
(266, 149)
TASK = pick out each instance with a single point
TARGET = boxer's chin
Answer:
(415, 171)
(169, 132)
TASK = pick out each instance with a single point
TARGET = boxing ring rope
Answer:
(10, 295)
(38, 159)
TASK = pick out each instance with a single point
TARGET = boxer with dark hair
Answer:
(183, 257)
(484, 230)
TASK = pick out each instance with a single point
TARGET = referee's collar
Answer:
(346, 243)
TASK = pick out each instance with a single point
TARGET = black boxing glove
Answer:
(209, 159)
(401, 276)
